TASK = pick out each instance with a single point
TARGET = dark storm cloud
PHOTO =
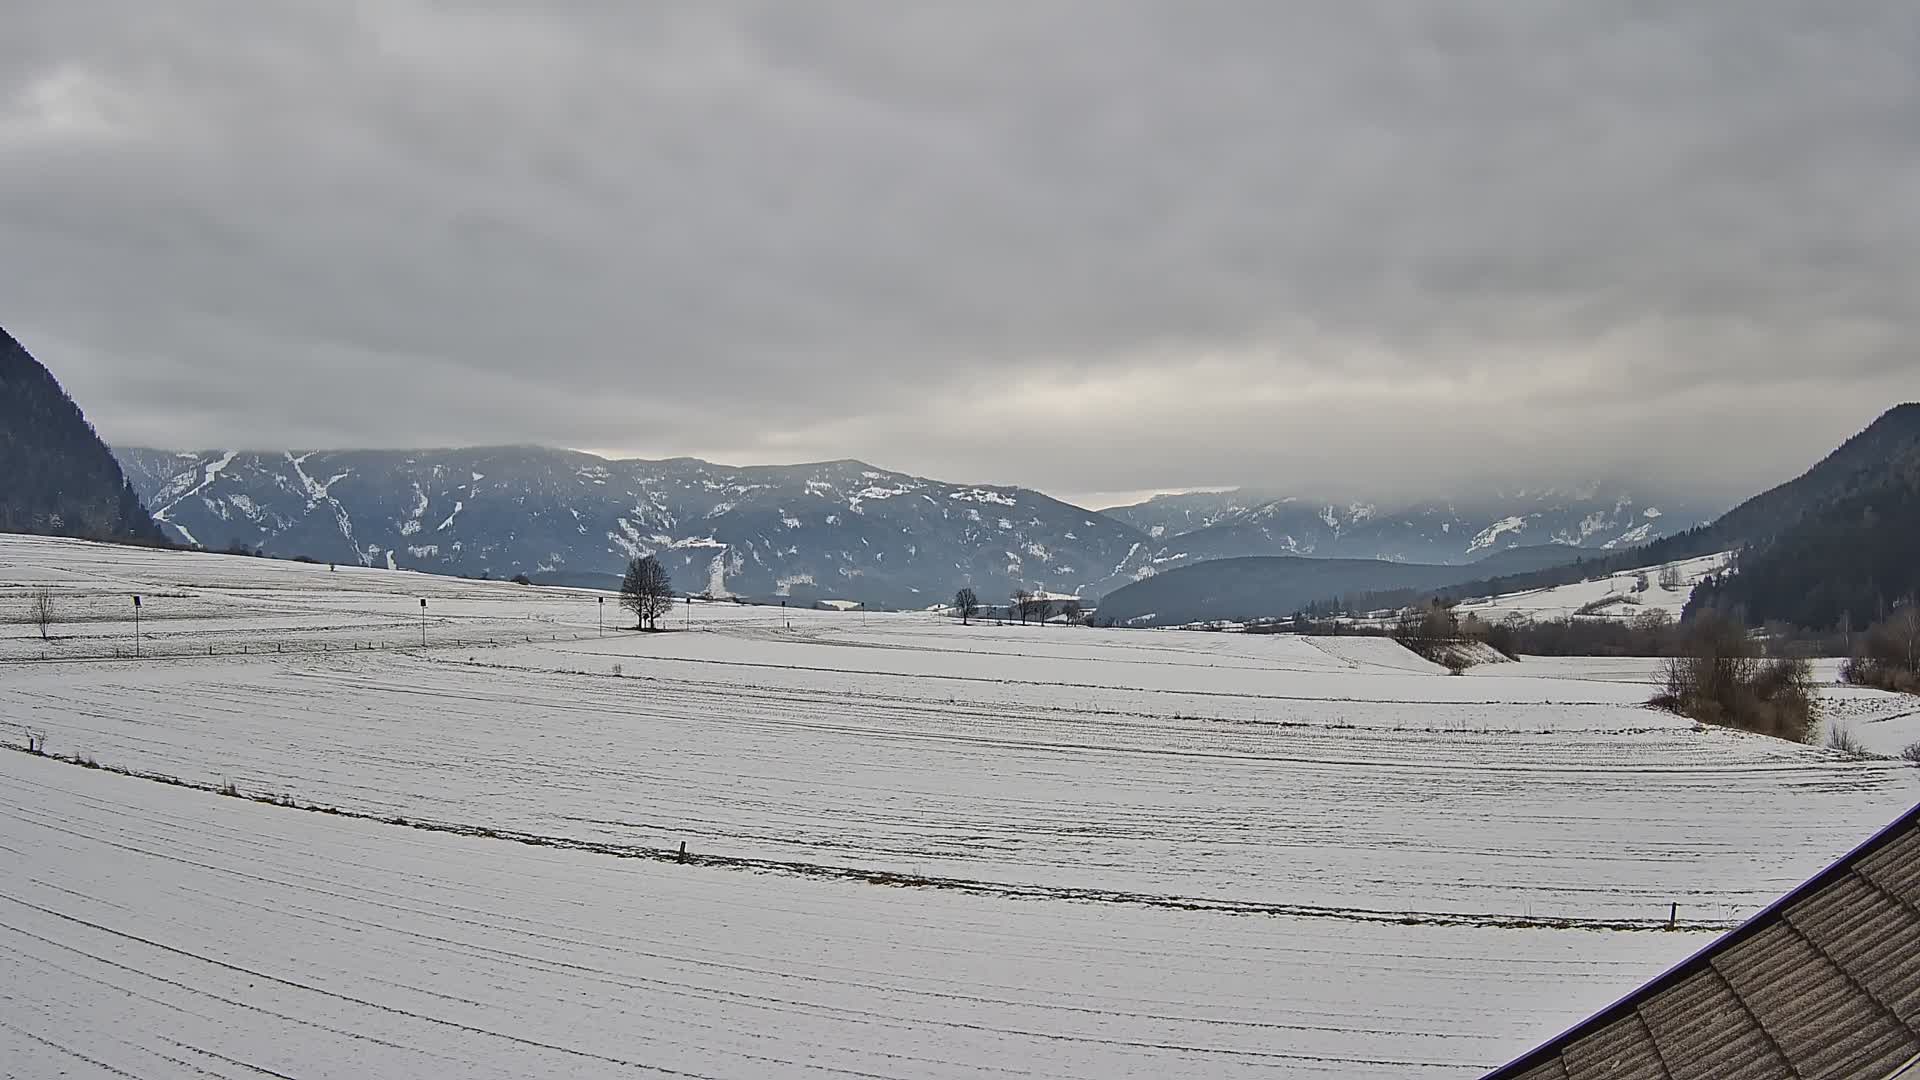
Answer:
(1087, 246)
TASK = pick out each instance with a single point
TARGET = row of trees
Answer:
(1023, 605)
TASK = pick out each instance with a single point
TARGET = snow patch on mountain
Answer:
(1492, 533)
(1639, 534)
(983, 495)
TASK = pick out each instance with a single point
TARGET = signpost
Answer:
(423, 622)
(136, 625)
(603, 616)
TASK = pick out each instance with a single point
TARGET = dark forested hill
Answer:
(56, 476)
(1845, 565)
(1862, 464)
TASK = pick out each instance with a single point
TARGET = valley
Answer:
(1198, 854)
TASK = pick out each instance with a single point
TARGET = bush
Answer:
(1911, 753)
(1866, 671)
(522, 579)
(1888, 654)
(1721, 679)
(1843, 740)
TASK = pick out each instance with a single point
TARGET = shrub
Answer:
(522, 579)
(1844, 740)
(1888, 654)
(1911, 753)
(1720, 679)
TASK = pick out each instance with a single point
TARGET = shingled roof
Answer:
(1824, 983)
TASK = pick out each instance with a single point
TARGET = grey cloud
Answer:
(1080, 245)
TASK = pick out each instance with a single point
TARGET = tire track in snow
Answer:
(1009, 890)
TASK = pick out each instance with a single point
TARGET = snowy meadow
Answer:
(315, 847)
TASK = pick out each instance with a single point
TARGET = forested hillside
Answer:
(56, 476)
(1842, 568)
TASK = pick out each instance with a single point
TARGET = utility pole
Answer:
(136, 625)
(603, 616)
(423, 622)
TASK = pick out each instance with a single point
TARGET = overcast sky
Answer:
(1092, 247)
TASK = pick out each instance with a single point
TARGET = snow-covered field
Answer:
(1616, 596)
(917, 849)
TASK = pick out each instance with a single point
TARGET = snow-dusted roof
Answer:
(1824, 983)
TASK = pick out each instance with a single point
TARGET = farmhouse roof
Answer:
(1824, 983)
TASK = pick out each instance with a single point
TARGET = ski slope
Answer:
(916, 849)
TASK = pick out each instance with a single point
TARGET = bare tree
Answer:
(1022, 604)
(1904, 629)
(1670, 578)
(40, 611)
(966, 605)
(1035, 606)
(647, 591)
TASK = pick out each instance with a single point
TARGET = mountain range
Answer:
(833, 529)
(1830, 548)
(1218, 525)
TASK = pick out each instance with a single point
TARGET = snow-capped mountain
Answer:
(1184, 529)
(840, 529)
(836, 529)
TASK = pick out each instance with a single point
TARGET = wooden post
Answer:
(683, 851)
(1673, 915)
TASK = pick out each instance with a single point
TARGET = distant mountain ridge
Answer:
(1185, 529)
(56, 476)
(1835, 544)
(830, 529)
(840, 529)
